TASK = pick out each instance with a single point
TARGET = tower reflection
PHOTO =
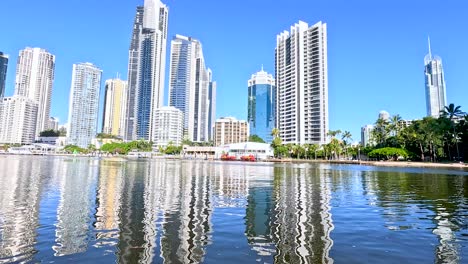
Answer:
(75, 211)
(21, 187)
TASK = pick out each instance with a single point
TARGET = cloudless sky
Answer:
(376, 49)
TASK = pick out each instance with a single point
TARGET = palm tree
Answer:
(345, 137)
(275, 132)
(395, 124)
(451, 112)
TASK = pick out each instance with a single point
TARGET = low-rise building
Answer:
(261, 151)
(229, 130)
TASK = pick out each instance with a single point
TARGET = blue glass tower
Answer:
(262, 105)
(3, 72)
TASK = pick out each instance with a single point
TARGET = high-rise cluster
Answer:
(29, 108)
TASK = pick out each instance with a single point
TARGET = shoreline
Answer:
(401, 164)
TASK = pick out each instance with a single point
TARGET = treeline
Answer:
(429, 139)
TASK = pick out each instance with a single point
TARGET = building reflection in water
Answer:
(302, 219)
(21, 184)
(293, 214)
(108, 203)
(75, 212)
(402, 195)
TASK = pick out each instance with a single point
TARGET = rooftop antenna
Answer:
(429, 44)
(262, 67)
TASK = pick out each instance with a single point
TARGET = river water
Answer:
(75, 210)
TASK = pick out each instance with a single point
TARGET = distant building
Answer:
(436, 98)
(169, 122)
(366, 135)
(262, 105)
(302, 84)
(17, 120)
(407, 123)
(3, 72)
(384, 115)
(191, 88)
(35, 72)
(84, 104)
(229, 130)
(115, 103)
(53, 123)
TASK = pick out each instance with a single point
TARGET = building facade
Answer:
(169, 121)
(302, 84)
(262, 105)
(17, 120)
(115, 104)
(191, 88)
(133, 60)
(34, 79)
(54, 123)
(229, 130)
(366, 135)
(84, 104)
(3, 73)
(151, 68)
(436, 98)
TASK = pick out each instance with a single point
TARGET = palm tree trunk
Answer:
(422, 151)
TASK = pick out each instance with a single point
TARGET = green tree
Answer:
(256, 138)
(49, 133)
(451, 112)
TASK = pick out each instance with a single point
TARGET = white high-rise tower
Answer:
(84, 104)
(302, 84)
(436, 98)
(34, 80)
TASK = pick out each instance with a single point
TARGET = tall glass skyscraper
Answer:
(133, 59)
(261, 105)
(191, 88)
(151, 69)
(84, 104)
(3, 72)
(436, 98)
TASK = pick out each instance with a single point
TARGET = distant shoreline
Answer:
(401, 164)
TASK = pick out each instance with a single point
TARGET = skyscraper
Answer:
(3, 72)
(34, 79)
(17, 120)
(302, 84)
(212, 106)
(261, 105)
(84, 104)
(191, 88)
(436, 98)
(149, 92)
(115, 103)
(133, 59)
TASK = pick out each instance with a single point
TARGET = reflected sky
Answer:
(159, 211)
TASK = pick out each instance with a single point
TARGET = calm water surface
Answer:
(56, 209)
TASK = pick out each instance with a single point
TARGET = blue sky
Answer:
(375, 48)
